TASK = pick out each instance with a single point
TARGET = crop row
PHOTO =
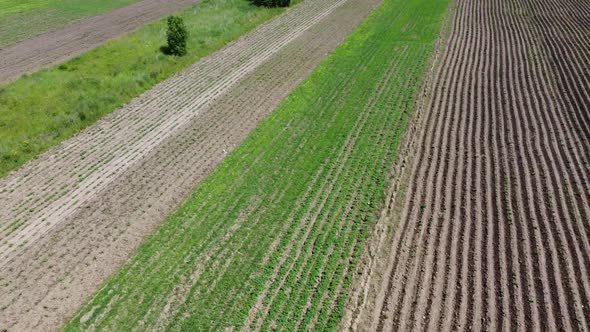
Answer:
(272, 237)
(86, 165)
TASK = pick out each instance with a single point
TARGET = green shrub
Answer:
(176, 36)
(272, 3)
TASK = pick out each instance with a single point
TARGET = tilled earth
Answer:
(493, 230)
(76, 213)
(62, 44)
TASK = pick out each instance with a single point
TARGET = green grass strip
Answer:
(40, 110)
(304, 188)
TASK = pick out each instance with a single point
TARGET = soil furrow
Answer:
(493, 232)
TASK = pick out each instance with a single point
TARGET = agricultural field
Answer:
(20, 20)
(272, 237)
(59, 45)
(492, 231)
(114, 183)
(50, 106)
(363, 165)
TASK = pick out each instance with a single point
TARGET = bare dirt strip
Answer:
(60, 45)
(71, 217)
(489, 229)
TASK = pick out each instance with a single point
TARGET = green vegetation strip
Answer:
(21, 19)
(43, 109)
(280, 225)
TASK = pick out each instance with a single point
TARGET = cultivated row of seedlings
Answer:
(62, 180)
(330, 250)
(116, 219)
(272, 238)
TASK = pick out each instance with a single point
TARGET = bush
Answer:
(176, 36)
(272, 3)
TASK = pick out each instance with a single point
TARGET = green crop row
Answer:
(276, 231)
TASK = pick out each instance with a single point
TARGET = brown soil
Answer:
(78, 212)
(493, 231)
(60, 45)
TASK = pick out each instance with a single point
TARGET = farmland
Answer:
(349, 165)
(62, 44)
(492, 233)
(254, 251)
(50, 106)
(119, 179)
(46, 15)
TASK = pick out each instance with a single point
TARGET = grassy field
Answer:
(23, 19)
(272, 237)
(40, 110)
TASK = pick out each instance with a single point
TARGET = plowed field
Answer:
(493, 230)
